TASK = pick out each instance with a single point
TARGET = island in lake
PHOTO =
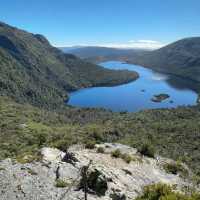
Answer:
(159, 98)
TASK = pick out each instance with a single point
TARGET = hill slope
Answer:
(174, 133)
(31, 70)
(180, 58)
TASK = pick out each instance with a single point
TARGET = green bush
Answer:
(196, 179)
(90, 144)
(116, 153)
(61, 183)
(28, 158)
(62, 145)
(147, 150)
(100, 150)
(126, 157)
(164, 192)
(96, 181)
(175, 168)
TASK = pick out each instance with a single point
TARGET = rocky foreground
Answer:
(59, 175)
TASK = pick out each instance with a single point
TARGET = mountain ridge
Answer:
(31, 70)
(181, 58)
(96, 54)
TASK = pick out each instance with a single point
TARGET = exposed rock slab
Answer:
(37, 180)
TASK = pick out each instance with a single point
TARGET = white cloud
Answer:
(132, 44)
(138, 44)
(132, 41)
(148, 41)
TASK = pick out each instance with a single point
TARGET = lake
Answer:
(135, 96)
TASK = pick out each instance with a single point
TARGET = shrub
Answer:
(164, 192)
(196, 179)
(28, 158)
(96, 181)
(116, 153)
(175, 168)
(98, 136)
(100, 150)
(147, 150)
(61, 183)
(126, 157)
(62, 145)
(90, 144)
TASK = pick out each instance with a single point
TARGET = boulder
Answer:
(52, 154)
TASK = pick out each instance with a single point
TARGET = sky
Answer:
(113, 23)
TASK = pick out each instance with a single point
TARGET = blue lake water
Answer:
(134, 96)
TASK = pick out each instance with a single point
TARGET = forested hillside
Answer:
(181, 58)
(33, 71)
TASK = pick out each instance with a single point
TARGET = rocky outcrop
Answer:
(160, 97)
(108, 178)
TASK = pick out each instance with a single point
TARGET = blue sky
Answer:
(105, 22)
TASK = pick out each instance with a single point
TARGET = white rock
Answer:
(36, 181)
(52, 154)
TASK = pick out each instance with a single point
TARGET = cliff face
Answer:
(60, 176)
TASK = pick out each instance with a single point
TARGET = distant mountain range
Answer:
(31, 70)
(181, 58)
(98, 54)
(69, 49)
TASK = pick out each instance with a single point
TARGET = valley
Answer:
(180, 58)
(34, 91)
(54, 101)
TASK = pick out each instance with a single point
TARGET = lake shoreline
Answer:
(130, 96)
(163, 71)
